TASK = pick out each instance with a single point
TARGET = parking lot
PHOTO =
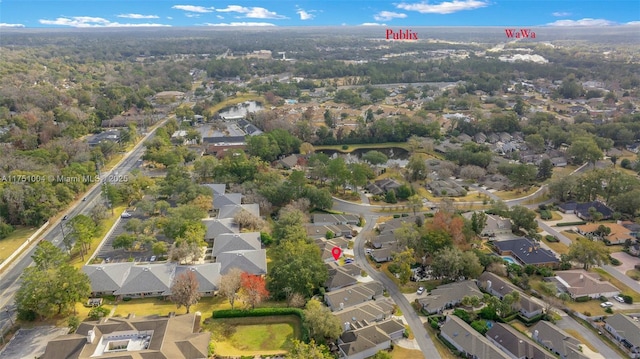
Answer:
(114, 255)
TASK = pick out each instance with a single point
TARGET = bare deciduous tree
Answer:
(230, 284)
(184, 291)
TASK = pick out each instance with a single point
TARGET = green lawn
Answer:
(14, 240)
(251, 336)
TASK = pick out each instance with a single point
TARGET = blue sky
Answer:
(182, 13)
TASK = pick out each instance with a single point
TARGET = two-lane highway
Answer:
(10, 278)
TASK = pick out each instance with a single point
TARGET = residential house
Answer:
(338, 279)
(493, 138)
(582, 209)
(335, 219)
(446, 188)
(619, 234)
(219, 146)
(228, 242)
(526, 251)
(499, 287)
(151, 280)
(231, 210)
(367, 313)
(353, 295)
(250, 261)
(105, 136)
(634, 147)
(384, 254)
(216, 227)
(515, 344)
(557, 341)
(559, 161)
(625, 330)
(448, 296)
(226, 199)
(634, 228)
(468, 340)
(326, 247)
(387, 184)
(175, 337)
(480, 137)
(320, 231)
(580, 283)
(216, 188)
(383, 240)
(367, 341)
(634, 250)
(494, 226)
(289, 162)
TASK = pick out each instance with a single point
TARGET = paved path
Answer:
(423, 340)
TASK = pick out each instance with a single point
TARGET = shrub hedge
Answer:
(566, 224)
(583, 299)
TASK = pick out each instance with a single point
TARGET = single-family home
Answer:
(495, 225)
(557, 341)
(367, 341)
(366, 313)
(582, 209)
(515, 344)
(384, 254)
(250, 261)
(499, 287)
(580, 283)
(618, 234)
(338, 279)
(176, 337)
(625, 330)
(228, 242)
(335, 219)
(468, 340)
(526, 251)
(448, 296)
(353, 295)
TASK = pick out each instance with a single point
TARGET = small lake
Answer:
(241, 110)
(393, 153)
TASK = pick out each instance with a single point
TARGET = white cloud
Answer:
(583, 22)
(305, 15)
(88, 21)
(388, 15)
(633, 23)
(220, 17)
(241, 24)
(252, 12)
(138, 16)
(372, 24)
(4, 24)
(193, 8)
(561, 14)
(446, 7)
(189, 14)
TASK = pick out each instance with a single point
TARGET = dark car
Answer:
(66, 216)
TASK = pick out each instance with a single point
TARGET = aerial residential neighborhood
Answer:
(243, 190)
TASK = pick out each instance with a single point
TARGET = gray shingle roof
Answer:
(216, 227)
(470, 340)
(251, 261)
(148, 278)
(625, 327)
(449, 294)
(227, 242)
(107, 277)
(516, 343)
(230, 210)
(208, 275)
(222, 200)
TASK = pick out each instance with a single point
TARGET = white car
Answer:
(618, 298)
(606, 305)
(125, 215)
(420, 291)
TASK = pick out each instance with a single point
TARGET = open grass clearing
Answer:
(403, 353)
(633, 274)
(520, 327)
(557, 247)
(506, 195)
(14, 241)
(271, 335)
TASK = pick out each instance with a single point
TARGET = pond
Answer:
(240, 110)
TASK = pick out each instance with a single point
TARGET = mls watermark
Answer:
(63, 179)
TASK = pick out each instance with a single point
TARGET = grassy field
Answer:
(633, 274)
(254, 336)
(14, 240)
(505, 195)
(402, 353)
(557, 247)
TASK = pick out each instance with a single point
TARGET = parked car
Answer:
(606, 305)
(618, 298)
(125, 215)
(420, 291)
(348, 261)
(66, 216)
(84, 199)
(153, 259)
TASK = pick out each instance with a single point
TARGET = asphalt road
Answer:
(10, 278)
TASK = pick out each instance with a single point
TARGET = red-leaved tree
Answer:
(253, 289)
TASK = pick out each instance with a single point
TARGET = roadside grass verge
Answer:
(14, 241)
(105, 226)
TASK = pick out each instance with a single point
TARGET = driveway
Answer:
(568, 322)
(628, 261)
